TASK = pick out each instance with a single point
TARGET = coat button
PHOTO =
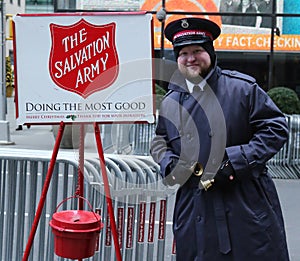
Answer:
(189, 136)
(211, 133)
(199, 218)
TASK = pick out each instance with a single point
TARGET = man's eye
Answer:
(197, 51)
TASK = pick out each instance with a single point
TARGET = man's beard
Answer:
(196, 76)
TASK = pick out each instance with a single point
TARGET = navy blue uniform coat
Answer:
(242, 220)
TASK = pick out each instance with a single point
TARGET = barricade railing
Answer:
(142, 204)
(285, 164)
(130, 139)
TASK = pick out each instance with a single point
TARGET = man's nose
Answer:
(191, 57)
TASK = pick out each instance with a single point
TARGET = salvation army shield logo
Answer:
(83, 57)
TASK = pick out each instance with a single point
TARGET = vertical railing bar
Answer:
(42, 224)
(65, 184)
(2, 203)
(10, 211)
(21, 209)
(32, 200)
(53, 202)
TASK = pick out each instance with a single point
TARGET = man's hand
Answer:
(179, 171)
(226, 174)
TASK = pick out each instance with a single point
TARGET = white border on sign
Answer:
(40, 100)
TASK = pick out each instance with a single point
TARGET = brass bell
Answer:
(207, 183)
(197, 169)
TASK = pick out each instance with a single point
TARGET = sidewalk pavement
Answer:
(40, 137)
(289, 195)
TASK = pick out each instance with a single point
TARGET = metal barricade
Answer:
(285, 164)
(142, 204)
(127, 139)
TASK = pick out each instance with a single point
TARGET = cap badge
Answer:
(184, 23)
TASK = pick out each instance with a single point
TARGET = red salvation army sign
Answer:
(93, 67)
(87, 62)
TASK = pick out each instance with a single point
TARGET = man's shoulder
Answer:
(168, 93)
(238, 75)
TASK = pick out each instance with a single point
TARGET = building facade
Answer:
(259, 37)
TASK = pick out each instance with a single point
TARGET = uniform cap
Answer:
(191, 31)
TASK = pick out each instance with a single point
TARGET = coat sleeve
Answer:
(269, 133)
(160, 151)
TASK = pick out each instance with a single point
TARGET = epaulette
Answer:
(239, 75)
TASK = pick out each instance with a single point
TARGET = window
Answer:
(39, 2)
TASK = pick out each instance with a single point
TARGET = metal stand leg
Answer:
(107, 192)
(44, 192)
